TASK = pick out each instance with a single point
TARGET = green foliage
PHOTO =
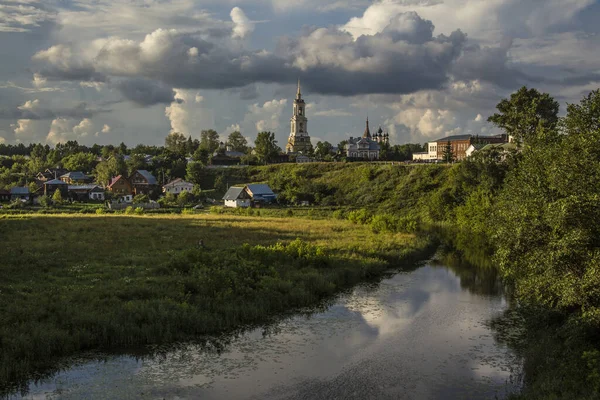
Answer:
(45, 201)
(209, 141)
(129, 210)
(361, 216)
(176, 142)
(184, 199)
(141, 199)
(237, 142)
(100, 210)
(266, 148)
(525, 112)
(79, 162)
(583, 117)
(57, 198)
(447, 153)
(139, 211)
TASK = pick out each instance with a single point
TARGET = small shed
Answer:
(261, 193)
(237, 197)
(20, 193)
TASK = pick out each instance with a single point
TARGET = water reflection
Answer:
(418, 335)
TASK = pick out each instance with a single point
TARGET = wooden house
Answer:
(142, 182)
(120, 185)
(237, 197)
(56, 184)
(75, 178)
(4, 195)
(178, 186)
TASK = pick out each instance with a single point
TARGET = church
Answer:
(299, 140)
(367, 146)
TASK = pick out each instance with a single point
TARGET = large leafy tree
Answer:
(583, 117)
(323, 150)
(237, 142)
(447, 154)
(209, 140)
(265, 147)
(525, 113)
(79, 162)
(176, 142)
(106, 170)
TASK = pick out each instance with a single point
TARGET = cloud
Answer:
(333, 113)
(63, 130)
(145, 92)
(29, 131)
(23, 16)
(403, 58)
(105, 129)
(242, 26)
(187, 115)
(265, 117)
(35, 110)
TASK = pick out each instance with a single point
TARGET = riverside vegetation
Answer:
(116, 281)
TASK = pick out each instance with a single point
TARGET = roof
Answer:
(4, 191)
(478, 146)
(19, 190)
(55, 182)
(177, 181)
(455, 137)
(114, 180)
(82, 187)
(234, 154)
(75, 175)
(148, 176)
(367, 133)
(233, 193)
(260, 189)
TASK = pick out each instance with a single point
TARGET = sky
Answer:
(132, 71)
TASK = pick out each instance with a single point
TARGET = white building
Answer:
(178, 186)
(237, 197)
(299, 140)
(364, 147)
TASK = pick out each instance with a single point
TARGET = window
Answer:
(301, 127)
(300, 111)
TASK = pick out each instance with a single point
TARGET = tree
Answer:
(525, 111)
(201, 155)
(106, 170)
(57, 197)
(176, 142)
(184, 198)
(342, 147)
(140, 199)
(323, 150)
(135, 162)
(79, 162)
(447, 154)
(45, 201)
(266, 148)
(237, 142)
(209, 140)
(583, 117)
(194, 172)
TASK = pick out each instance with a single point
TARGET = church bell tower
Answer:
(299, 140)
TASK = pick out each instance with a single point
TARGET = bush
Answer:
(129, 210)
(361, 216)
(217, 210)
(141, 199)
(45, 201)
(187, 211)
(100, 210)
(139, 210)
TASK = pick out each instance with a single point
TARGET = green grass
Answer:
(75, 283)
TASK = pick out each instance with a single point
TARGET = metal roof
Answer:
(75, 175)
(260, 189)
(55, 182)
(82, 187)
(233, 193)
(455, 137)
(114, 180)
(19, 190)
(148, 176)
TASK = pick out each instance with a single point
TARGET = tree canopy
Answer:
(265, 147)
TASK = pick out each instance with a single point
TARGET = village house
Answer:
(56, 184)
(460, 143)
(49, 174)
(142, 182)
(260, 193)
(74, 178)
(120, 185)
(178, 186)
(86, 192)
(237, 197)
(366, 147)
(20, 193)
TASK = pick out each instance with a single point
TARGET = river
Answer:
(423, 334)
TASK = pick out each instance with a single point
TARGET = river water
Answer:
(422, 334)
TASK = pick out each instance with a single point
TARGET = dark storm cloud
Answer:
(405, 57)
(145, 92)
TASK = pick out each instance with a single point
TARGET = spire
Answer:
(367, 133)
(298, 94)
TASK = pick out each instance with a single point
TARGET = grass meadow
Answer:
(71, 283)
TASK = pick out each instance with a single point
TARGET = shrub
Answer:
(141, 199)
(100, 210)
(45, 201)
(187, 211)
(139, 210)
(361, 216)
(129, 210)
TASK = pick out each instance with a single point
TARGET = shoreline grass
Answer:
(77, 283)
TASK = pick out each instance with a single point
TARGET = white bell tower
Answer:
(299, 140)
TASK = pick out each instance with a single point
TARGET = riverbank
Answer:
(75, 283)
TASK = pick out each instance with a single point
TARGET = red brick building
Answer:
(460, 144)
